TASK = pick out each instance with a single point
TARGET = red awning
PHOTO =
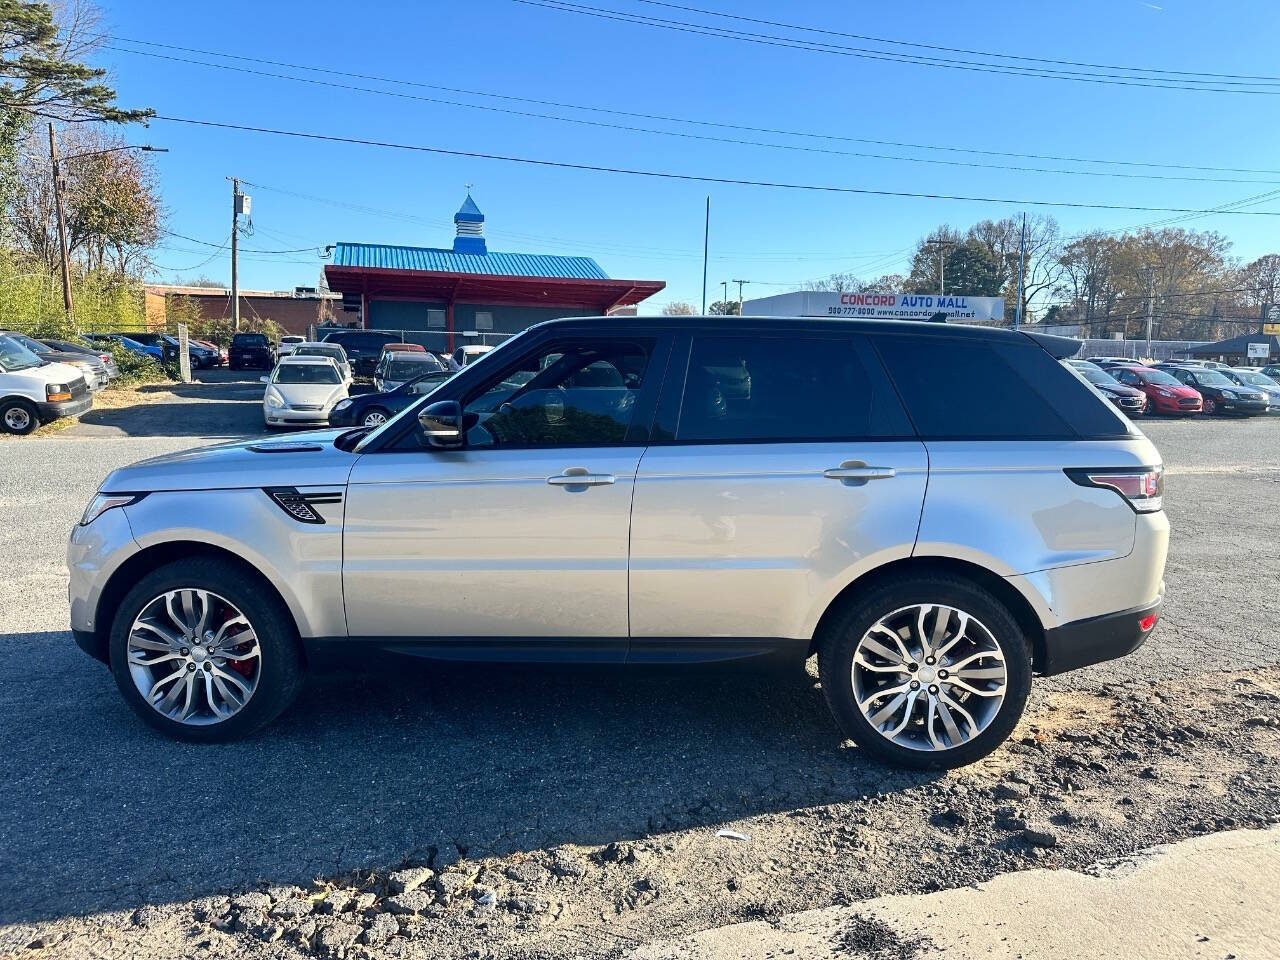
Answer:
(589, 294)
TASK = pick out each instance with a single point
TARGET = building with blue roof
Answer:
(446, 296)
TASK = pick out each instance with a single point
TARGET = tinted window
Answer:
(973, 389)
(249, 340)
(585, 395)
(748, 388)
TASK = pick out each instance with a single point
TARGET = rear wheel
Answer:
(201, 652)
(931, 672)
(18, 416)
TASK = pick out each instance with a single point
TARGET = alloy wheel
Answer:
(194, 656)
(929, 677)
(375, 419)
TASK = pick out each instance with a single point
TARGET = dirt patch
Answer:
(1085, 777)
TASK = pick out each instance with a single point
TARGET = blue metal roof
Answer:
(379, 256)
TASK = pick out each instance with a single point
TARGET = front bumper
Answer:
(281, 415)
(1246, 407)
(65, 408)
(1097, 639)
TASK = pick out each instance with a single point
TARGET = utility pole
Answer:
(1022, 258)
(942, 245)
(740, 283)
(706, 241)
(235, 277)
(724, 287)
(1151, 303)
(62, 224)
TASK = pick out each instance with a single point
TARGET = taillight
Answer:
(1142, 488)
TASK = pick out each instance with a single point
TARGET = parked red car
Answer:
(220, 352)
(1164, 393)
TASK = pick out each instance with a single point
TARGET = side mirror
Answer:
(441, 425)
(264, 379)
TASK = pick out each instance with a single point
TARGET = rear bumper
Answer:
(1096, 639)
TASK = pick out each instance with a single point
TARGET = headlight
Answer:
(274, 399)
(342, 404)
(57, 392)
(102, 502)
(1230, 395)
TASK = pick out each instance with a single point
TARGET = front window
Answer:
(1255, 379)
(307, 373)
(585, 397)
(14, 356)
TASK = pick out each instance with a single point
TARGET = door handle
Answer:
(581, 477)
(856, 470)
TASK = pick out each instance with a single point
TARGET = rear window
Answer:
(249, 340)
(961, 389)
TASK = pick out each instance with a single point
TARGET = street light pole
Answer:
(62, 224)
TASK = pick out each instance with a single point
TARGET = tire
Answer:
(995, 628)
(278, 666)
(18, 416)
(375, 412)
(1210, 406)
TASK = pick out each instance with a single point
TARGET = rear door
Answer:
(781, 468)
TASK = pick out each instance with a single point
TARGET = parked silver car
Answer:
(591, 491)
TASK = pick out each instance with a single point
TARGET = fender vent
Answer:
(300, 505)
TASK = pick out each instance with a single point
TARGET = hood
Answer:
(1119, 389)
(297, 460)
(313, 393)
(64, 356)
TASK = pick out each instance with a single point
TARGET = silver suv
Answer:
(934, 511)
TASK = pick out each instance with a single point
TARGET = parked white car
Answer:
(33, 391)
(288, 344)
(333, 351)
(302, 390)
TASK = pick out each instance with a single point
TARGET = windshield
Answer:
(405, 369)
(1212, 378)
(14, 356)
(334, 353)
(1255, 378)
(307, 373)
(1099, 378)
(1161, 378)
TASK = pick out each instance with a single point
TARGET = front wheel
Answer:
(202, 653)
(18, 416)
(1210, 406)
(931, 672)
(375, 417)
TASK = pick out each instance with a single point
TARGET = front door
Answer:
(522, 533)
(780, 470)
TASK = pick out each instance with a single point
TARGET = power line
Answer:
(961, 50)
(747, 128)
(773, 40)
(732, 141)
(696, 178)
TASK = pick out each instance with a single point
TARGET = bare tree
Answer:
(678, 308)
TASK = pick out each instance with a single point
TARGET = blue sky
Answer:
(652, 229)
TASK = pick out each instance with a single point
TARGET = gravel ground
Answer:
(514, 781)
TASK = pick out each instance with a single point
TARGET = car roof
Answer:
(319, 343)
(292, 360)
(413, 355)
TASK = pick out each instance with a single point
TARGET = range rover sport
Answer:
(937, 512)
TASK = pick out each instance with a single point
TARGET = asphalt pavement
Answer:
(367, 771)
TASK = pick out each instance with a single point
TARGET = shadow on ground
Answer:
(368, 770)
